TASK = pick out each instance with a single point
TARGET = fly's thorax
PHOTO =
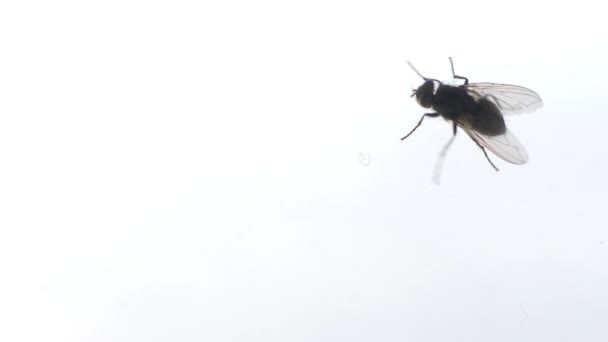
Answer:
(451, 100)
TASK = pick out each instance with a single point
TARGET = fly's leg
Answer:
(432, 115)
(466, 80)
(485, 154)
(439, 163)
(445, 148)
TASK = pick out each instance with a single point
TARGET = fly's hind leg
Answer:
(466, 80)
(485, 154)
(432, 115)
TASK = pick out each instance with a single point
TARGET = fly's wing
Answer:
(510, 99)
(506, 146)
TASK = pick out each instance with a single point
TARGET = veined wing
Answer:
(506, 146)
(510, 99)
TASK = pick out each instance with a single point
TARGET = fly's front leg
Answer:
(432, 115)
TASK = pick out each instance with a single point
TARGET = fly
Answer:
(477, 108)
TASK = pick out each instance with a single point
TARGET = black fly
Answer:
(478, 108)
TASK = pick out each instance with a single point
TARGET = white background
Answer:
(188, 171)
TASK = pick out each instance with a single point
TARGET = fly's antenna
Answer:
(416, 70)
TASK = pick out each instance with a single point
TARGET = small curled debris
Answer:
(365, 160)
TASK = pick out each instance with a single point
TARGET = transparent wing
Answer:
(506, 146)
(510, 99)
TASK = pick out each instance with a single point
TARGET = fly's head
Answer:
(424, 93)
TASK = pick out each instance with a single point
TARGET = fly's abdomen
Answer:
(487, 119)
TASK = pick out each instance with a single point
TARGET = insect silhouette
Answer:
(477, 108)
